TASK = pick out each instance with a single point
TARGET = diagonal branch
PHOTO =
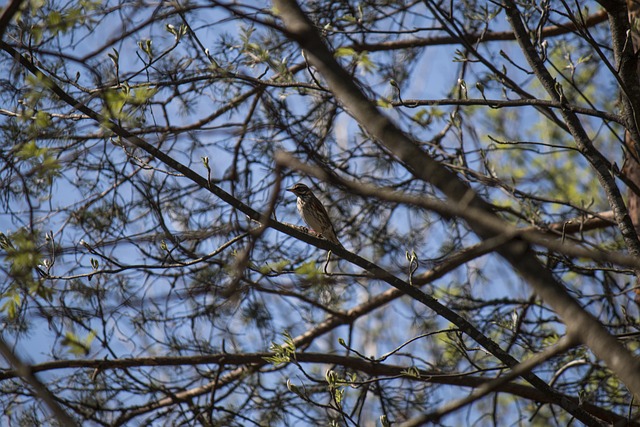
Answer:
(27, 374)
(584, 144)
(422, 166)
(378, 272)
(578, 321)
(499, 227)
(9, 12)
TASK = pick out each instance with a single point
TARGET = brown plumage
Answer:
(313, 213)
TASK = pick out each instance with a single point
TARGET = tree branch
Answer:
(518, 253)
(27, 374)
(584, 144)
(375, 369)
(550, 31)
(7, 15)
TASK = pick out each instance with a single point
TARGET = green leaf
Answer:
(30, 150)
(344, 51)
(307, 269)
(145, 46)
(412, 372)
(282, 353)
(42, 119)
(12, 305)
(384, 103)
(76, 345)
(348, 18)
(22, 255)
(274, 267)
(142, 95)
(365, 62)
(423, 117)
(115, 100)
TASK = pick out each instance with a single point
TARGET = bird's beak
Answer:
(290, 189)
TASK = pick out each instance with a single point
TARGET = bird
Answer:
(313, 213)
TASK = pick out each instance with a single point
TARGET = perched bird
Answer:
(313, 213)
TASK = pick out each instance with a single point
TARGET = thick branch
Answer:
(584, 144)
(418, 162)
(9, 12)
(406, 150)
(626, 67)
(27, 374)
(375, 369)
(518, 253)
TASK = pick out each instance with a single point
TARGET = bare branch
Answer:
(578, 321)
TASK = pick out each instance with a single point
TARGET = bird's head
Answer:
(300, 190)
